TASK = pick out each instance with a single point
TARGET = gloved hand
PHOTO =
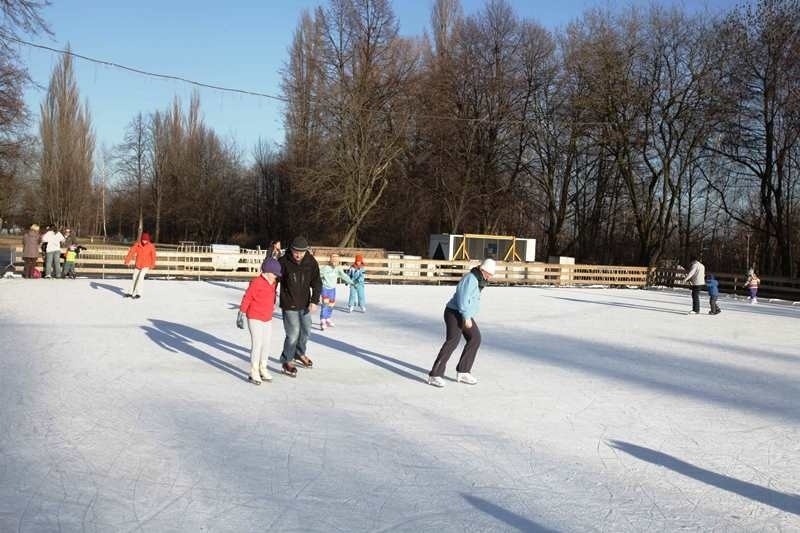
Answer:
(240, 320)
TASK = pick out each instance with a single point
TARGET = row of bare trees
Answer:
(630, 136)
(636, 136)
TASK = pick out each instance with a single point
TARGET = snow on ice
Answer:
(597, 410)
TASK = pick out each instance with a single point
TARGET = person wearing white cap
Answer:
(459, 319)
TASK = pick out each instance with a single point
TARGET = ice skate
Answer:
(254, 381)
(436, 381)
(350, 309)
(289, 369)
(304, 361)
(363, 308)
(466, 377)
(693, 313)
(329, 322)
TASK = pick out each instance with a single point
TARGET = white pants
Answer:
(260, 338)
(137, 281)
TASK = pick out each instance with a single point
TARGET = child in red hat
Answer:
(144, 253)
(357, 275)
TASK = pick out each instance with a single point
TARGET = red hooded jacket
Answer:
(145, 254)
(258, 301)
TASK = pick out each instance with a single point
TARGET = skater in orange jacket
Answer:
(145, 253)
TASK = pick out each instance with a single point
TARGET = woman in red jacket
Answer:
(145, 254)
(258, 304)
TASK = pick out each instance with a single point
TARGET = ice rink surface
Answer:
(597, 410)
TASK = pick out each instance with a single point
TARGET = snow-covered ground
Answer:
(597, 410)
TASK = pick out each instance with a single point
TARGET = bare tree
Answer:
(16, 17)
(133, 162)
(67, 148)
(365, 68)
(762, 42)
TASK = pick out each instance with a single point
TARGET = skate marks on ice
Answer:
(789, 503)
(667, 368)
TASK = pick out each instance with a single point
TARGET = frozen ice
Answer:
(596, 410)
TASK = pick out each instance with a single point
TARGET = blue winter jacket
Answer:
(712, 285)
(467, 299)
(357, 275)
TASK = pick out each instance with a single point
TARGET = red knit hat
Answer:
(145, 237)
(359, 259)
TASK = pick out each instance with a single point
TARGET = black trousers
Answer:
(696, 297)
(454, 324)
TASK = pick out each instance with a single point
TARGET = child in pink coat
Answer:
(257, 305)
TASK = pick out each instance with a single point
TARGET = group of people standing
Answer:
(296, 281)
(52, 245)
(697, 280)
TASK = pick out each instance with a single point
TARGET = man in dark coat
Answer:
(300, 288)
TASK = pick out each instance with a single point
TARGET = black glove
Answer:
(240, 320)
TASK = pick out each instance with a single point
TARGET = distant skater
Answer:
(330, 274)
(144, 253)
(713, 294)
(258, 304)
(459, 319)
(30, 250)
(752, 284)
(357, 275)
(696, 278)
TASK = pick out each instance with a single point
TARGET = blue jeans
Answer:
(297, 325)
(53, 263)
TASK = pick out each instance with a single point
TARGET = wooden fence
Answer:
(102, 260)
(107, 261)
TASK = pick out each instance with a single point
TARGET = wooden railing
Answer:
(107, 261)
(102, 260)
(770, 287)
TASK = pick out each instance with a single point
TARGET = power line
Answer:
(283, 99)
(144, 72)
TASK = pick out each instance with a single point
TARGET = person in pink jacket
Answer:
(257, 305)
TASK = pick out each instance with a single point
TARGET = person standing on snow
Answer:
(145, 253)
(330, 273)
(300, 289)
(258, 304)
(30, 250)
(752, 286)
(459, 319)
(52, 239)
(713, 294)
(696, 277)
(358, 275)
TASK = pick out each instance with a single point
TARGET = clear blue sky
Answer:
(239, 43)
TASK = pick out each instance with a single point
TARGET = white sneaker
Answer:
(466, 377)
(435, 381)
